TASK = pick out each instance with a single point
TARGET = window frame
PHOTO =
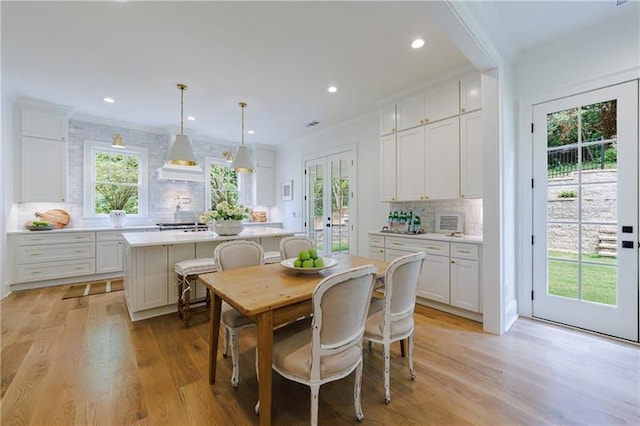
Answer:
(212, 161)
(90, 150)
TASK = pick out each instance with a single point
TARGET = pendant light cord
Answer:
(242, 105)
(182, 88)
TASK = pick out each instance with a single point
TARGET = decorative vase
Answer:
(228, 227)
(117, 218)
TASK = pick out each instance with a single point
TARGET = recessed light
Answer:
(332, 89)
(191, 118)
(417, 43)
(250, 132)
(108, 100)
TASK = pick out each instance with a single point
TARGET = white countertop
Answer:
(432, 236)
(142, 239)
(89, 229)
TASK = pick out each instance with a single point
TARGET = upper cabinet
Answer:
(470, 94)
(43, 152)
(264, 177)
(436, 104)
(436, 150)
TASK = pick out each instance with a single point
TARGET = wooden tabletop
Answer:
(257, 289)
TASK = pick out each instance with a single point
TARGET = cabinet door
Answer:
(411, 113)
(376, 253)
(442, 177)
(108, 256)
(264, 184)
(410, 167)
(388, 120)
(151, 277)
(43, 170)
(388, 168)
(442, 102)
(464, 284)
(471, 155)
(434, 279)
(470, 94)
(41, 124)
(176, 253)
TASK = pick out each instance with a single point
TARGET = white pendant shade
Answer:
(181, 152)
(242, 161)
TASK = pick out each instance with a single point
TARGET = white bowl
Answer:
(329, 262)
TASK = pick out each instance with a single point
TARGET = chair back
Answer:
(340, 306)
(292, 246)
(401, 288)
(238, 254)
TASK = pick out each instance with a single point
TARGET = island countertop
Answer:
(144, 239)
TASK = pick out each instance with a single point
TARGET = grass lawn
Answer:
(599, 282)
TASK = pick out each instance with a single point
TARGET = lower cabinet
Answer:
(109, 252)
(149, 277)
(451, 271)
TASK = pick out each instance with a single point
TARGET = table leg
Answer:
(265, 355)
(214, 334)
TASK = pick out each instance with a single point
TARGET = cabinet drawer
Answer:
(61, 269)
(55, 252)
(440, 248)
(464, 251)
(109, 236)
(376, 241)
(40, 238)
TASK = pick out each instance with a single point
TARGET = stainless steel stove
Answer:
(184, 226)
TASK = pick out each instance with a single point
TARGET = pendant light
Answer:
(181, 152)
(117, 141)
(242, 161)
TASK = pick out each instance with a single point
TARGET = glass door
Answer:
(329, 202)
(586, 211)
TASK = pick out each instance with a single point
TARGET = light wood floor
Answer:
(81, 361)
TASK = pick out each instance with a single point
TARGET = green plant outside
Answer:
(568, 194)
(599, 282)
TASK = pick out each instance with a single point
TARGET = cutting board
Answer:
(57, 217)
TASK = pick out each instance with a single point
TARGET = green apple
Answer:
(304, 255)
(318, 262)
(297, 263)
(313, 253)
(307, 263)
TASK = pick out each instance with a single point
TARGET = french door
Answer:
(585, 256)
(329, 202)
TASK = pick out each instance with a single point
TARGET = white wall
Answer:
(362, 132)
(577, 63)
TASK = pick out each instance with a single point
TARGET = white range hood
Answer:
(176, 172)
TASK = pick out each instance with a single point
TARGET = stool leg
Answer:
(180, 302)
(187, 302)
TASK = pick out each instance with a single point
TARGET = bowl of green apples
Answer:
(308, 262)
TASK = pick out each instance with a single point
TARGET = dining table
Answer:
(270, 295)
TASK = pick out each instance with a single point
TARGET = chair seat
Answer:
(292, 353)
(232, 318)
(195, 266)
(373, 328)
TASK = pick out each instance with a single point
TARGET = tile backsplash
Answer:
(471, 209)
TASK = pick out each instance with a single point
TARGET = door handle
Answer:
(627, 244)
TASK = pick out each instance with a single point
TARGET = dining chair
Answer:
(328, 346)
(231, 255)
(292, 246)
(391, 319)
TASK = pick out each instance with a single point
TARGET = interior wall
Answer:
(363, 133)
(580, 62)
(6, 185)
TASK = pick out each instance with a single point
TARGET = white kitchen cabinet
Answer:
(109, 252)
(465, 273)
(434, 280)
(43, 153)
(471, 155)
(388, 120)
(264, 183)
(442, 160)
(376, 247)
(470, 94)
(410, 170)
(388, 168)
(149, 277)
(37, 256)
(435, 104)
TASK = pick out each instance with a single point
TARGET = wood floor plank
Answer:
(83, 362)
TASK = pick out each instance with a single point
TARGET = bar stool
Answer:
(187, 272)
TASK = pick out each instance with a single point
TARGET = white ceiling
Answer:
(279, 57)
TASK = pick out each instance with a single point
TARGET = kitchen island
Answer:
(149, 276)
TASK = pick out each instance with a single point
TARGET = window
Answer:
(115, 179)
(223, 183)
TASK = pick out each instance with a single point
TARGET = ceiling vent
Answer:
(313, 123)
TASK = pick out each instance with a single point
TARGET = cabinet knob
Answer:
(461, 195)
(462, 109)
(426, 120)
(453, 261)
